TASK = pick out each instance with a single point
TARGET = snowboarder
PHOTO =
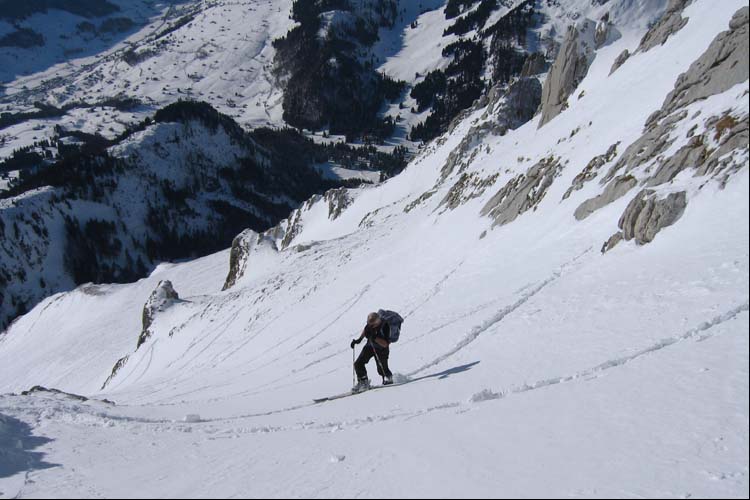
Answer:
(378, 335)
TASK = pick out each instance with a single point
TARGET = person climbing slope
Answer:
(382, 329)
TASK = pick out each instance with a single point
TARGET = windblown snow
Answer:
(533, 363)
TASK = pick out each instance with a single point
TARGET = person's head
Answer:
(373, 320)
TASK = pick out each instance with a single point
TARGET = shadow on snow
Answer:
(17, 443)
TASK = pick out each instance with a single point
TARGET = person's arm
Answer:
(362, 336)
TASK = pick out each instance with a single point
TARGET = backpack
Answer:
(394, 321)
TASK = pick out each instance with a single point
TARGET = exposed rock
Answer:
(535, 64)
(591, 170)
(670, 23)
(616, 189)
(700, 155)
(238, 256)
(118, 366)
(468, 187)
(612, 242)
(693, 154)
(624, 56)
(522, 193)
(722, 66)
(511, 107)
(605, 33)
(520, 104)
(655, 141)
(38, 388)
(467, 150)
(647, 214)
(422, 198)
(570, 67)
(161, 298)
(338, 201)
(736, 140)
(507, 109)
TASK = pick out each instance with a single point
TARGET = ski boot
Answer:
(362, 385)
(387, 380)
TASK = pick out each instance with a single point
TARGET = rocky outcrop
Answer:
(523, 193)
(520, 104)
(568, 70)
(591, 170)
(161, 299)
(468, 187)
(338, 200)
(535, 64)
(612, 242)
(721, 67)
(621, 59)
(115, 370)
(238, 256)
(646, 215)
(654, 142)
(670, 23)
(616, 189)
(507, 109)
(605, 33)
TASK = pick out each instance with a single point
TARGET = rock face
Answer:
(591, 170)
(616, 189)
(238, 256)
(468, 187)
(161, 298)
(338, 200)
(568, 70)
(522, 193)
(521, 102)
(118, 366)
(647, 214)
(670, 23)
(722, 66)
(507, 109)
(535, 64)
(621, 59)
(281, 236)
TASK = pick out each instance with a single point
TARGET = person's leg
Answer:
(362, 360)
(383, 355)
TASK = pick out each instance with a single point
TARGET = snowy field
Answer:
(532, 364)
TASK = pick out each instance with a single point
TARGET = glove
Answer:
(354, 342)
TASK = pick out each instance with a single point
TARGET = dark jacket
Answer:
(382, 332)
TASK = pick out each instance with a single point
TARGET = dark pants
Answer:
(381, 361)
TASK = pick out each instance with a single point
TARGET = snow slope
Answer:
(536, 366)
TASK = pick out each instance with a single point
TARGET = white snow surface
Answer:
(535, 365)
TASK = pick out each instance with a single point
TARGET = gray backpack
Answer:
(394, 321)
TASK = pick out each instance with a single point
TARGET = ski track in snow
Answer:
(435, 290)
(700, 333)
(497, 318)
(79, 413)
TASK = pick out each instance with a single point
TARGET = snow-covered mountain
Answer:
(179, 186)
(385, 69)
(573, 278)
